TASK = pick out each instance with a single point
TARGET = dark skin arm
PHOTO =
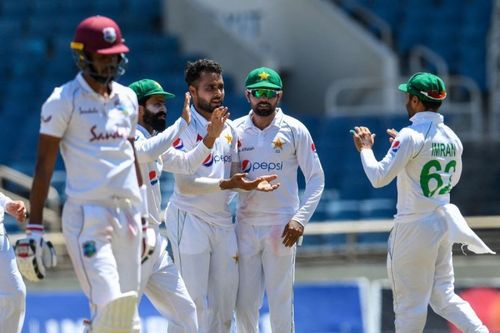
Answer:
(136, 163)
(48, 147)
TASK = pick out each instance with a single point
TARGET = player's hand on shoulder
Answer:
(363, 138)
(34, 255)
(292, 232)
(392, 134)
(186, 111)
(17, 209)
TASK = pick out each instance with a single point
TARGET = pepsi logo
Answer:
(152, 177)
(208, 161)
(395, 146)
(246, 166)
(177, 144)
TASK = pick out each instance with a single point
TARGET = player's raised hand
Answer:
(17, 210)
(186, 111)
(240, 181)
(363, 138)
(217, 121)
(392, 134)
(292, 232)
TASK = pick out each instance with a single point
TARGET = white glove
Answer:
(34, 254)
(148, 242)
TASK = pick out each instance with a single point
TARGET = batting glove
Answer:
(34, 255)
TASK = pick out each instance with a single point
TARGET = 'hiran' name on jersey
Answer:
(440, 149)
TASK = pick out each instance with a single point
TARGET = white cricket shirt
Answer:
(426, 157)
(155, 154)
(210, 207)
(94, 133)
(279, 149)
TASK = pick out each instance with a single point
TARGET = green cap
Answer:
(263, 77)
(426, 86)
(146, 87)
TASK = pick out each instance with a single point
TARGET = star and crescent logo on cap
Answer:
(263, 75)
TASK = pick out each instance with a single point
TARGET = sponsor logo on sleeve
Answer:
(395, 146)
(152, 177)
(177, 144)
(313, 147)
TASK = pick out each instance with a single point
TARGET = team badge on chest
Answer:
(278, 144)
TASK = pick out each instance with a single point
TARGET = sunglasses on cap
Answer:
(268, 93)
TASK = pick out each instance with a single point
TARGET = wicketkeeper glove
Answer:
(34, 255)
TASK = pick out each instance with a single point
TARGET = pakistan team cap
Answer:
(426, 86)
(99, 34)
(263, 77)
(147, 87)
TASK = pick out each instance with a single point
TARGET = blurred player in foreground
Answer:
(93, 121)
(12, 288)
(199, 222)
(426, 158)
(270, 224)
(160, 279)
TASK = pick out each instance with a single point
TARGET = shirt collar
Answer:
(144, 131)
(198, 118)
(276, 120)
(424, 116)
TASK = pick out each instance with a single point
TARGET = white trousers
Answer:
(265, 263)
(164, 287)
(420, 268)
(207, 258)
(12, 288)
(104, 244)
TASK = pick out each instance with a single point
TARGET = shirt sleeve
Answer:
(4, 200)
(134, 117)
(458, 168)
(382, 173)
(150, 149)
(55, 115)
(310, 165)
(180, 162)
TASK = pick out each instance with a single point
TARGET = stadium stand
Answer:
(35, 57)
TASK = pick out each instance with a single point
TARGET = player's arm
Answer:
(382, 173)
(33, 254)
(202, 185)
(48, 147)
(310, 165)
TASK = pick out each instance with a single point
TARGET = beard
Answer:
(264, 109)
(155, 120)
(208, 106)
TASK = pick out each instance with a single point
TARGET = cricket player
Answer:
(199, 222)
(269, 225)
(160, 279)
(12, 287)
(426, 158)
(93, 120)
